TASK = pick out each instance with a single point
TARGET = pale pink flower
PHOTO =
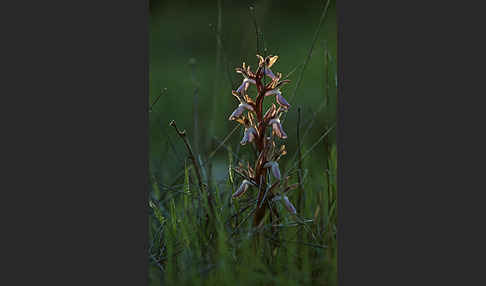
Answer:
(288, 205)
(249, 136)
(242, 189)
(269, 73)
(278, 95)
(277, 128)
(274, 168)
(244, 85)
(281, 101)
(286, 202)
(239, 110)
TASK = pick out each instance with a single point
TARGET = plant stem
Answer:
(182, 134)
(261, 173)
(299, 153)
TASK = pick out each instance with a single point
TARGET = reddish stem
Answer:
(260, 173)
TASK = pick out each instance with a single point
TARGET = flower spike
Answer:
(256, 121)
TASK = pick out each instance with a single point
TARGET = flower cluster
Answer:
(249, 113)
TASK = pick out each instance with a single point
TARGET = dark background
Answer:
(74, 204)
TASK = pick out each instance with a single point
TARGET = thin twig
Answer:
(219, 41)
(195, 105)
(181, 173)
(292, 71)
(252, 12)
(299, 152)
(223, 142)
(157, 99)
(182, 134)
(227, 148)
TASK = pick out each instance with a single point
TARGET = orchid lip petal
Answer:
(247, 106)
(239, 110)
(274, 121)
(283, 135)
(245, 84)
(269, 73)
(288, 205)
(276, 171)
(241, 87)
(268, 164)
(274, 168)
(249, 135)
(241, 189)
(271, 92)
(277, 128)
(245, 139)
(281, 100)
(236, 113)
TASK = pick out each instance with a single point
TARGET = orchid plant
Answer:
(249, 113)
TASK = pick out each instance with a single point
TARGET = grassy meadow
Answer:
(194, 49)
